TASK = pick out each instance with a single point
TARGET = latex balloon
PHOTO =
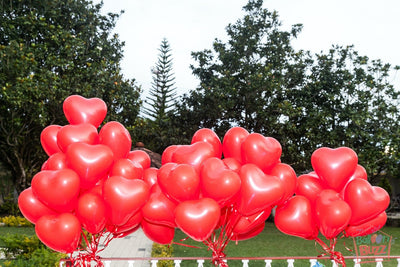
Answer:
(150, 176)
(160, 234)
(68, 134)
(198, 218)
(218, 182)
(252, 233)
(209, 136)
(232, 164)
(78, 109)
(295, 218)
(128, 169)
(258, 191)
(91, 212)
(194, 154)
(117, 137)
(123, 198)
(90, 162)
(332, 213)
(164, 171)
(31, 207)
(129, 227)
(366, 201)
(48, 139)
(367, 227)
(166, 156)
(140, 157)
(232, 143)
(360, 172)
(288, 178)
(159, 209)
(309, 186)
(58, 190)
(57, 161)
(248, 223)
(334, 166)
(262, 151)
(182, 183)
(61, 232)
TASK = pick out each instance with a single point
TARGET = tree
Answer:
(50, 50)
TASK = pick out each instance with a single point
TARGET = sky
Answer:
(192, 25)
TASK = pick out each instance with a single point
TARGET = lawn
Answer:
(271, 242)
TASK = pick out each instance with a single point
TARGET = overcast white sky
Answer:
(192, 25)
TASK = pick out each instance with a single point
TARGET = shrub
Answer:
(40, 257)
(162, 251)
(15, 221)
(10, 206)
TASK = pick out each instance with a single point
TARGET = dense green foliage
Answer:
(48, 51)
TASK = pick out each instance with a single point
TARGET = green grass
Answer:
(4, 230)
(271, 242)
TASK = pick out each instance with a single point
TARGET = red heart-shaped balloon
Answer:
(128, 169)
(48, 139)
(129, 227)
(68, 134)
(182, 183)
(332, 213)
(295, 218)
(150, 176)
(194, 154)
(58, 190)
(258, 190)
(217, 181)
(198, 218)
(367, 227)
(57, 161)
(78, 109)
(334, 166)
(360, 172)
(366, 201)
(209, 136)
(166, 156)
(160, 234)
(91, 212)
(159, 209)
(247, 223)
(232, 164)
(90, 162)
(61, 232)
(309, 186)
(140, 157)
(123, 198)
(114, 135)
(232, 143)
(31, 207)
(288, 178)
(250, 234)
(262, 151)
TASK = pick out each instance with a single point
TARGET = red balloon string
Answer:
(334, 255)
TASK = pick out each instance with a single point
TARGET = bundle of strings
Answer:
(330, 251)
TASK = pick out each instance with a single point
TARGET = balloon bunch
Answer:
(91, 185)
(215, 200)
(335, 198)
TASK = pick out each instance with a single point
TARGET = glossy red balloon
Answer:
(265, 152)
(91, 212)
(367, 227)
(309, 186)
(90, 162)
(252, 233)
(182, 183)
(160, 234)
(61, 232)
(58, 190)
(194, 154)
(48, 139)
(57, 161)
(360, 172)
(166, 156)
(332, 213)
(232, 143)
(334, 166)
(31, 207)
(123, 198)
(127, 228)
(295, 218)
(150, 176)
(249, 223)
(198, 218)
(366, 201)
(258, 191)
(232, 164)
(159, 209)
(288, 177)
(78, 109)
(218, 182)
(128, 169)
(140, 157)
(117, 137)
(68, 134)
(209, 136)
